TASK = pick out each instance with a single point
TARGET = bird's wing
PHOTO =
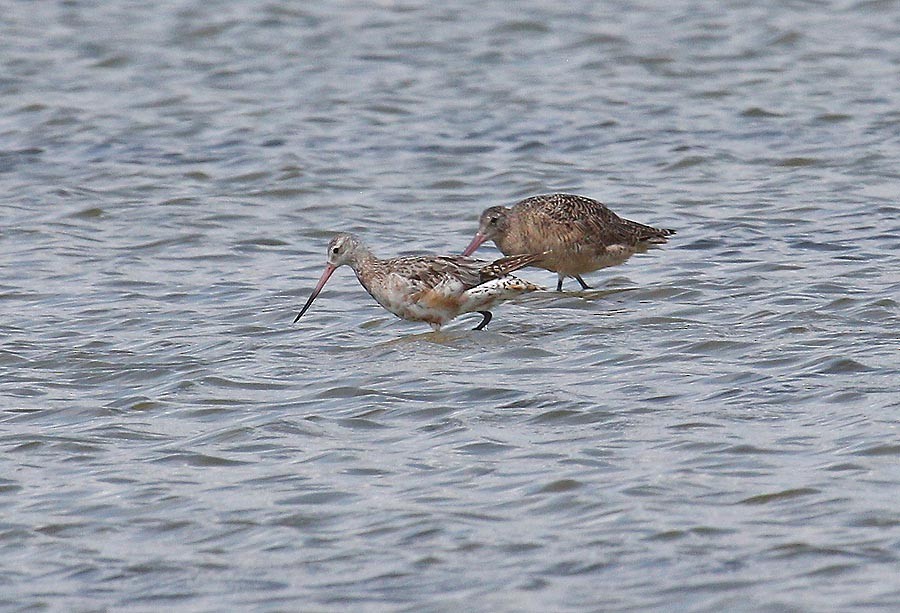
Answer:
(428, 272)
(594, 219)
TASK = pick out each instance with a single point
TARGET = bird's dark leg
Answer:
(487, 317)
(559, 283)
(583, 284)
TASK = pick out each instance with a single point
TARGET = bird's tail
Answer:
(654, 236)
(504, 266)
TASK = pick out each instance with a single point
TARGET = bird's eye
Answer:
(493, 221)
(335, 250)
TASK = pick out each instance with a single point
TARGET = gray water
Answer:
(714, 427)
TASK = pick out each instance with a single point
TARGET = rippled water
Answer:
(713, 428)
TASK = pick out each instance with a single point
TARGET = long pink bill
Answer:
(322, 280)
(475, 244)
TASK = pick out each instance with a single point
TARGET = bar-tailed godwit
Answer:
(576, 234)
(433, 289)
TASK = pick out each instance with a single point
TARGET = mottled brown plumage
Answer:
(575, 234)
(433, 289)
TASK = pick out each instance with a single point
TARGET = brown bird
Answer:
(433, 289)
(576, 234)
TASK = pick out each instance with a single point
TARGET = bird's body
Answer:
(576, 234)
(431, 289)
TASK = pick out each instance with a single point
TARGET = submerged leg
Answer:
(487, 317)
(559, 283)
(583, 284)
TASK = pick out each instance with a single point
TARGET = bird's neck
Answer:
(366, 266)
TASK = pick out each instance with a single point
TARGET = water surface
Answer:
(714, 427)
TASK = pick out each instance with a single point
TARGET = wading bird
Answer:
(576, 234)
(433, 289)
